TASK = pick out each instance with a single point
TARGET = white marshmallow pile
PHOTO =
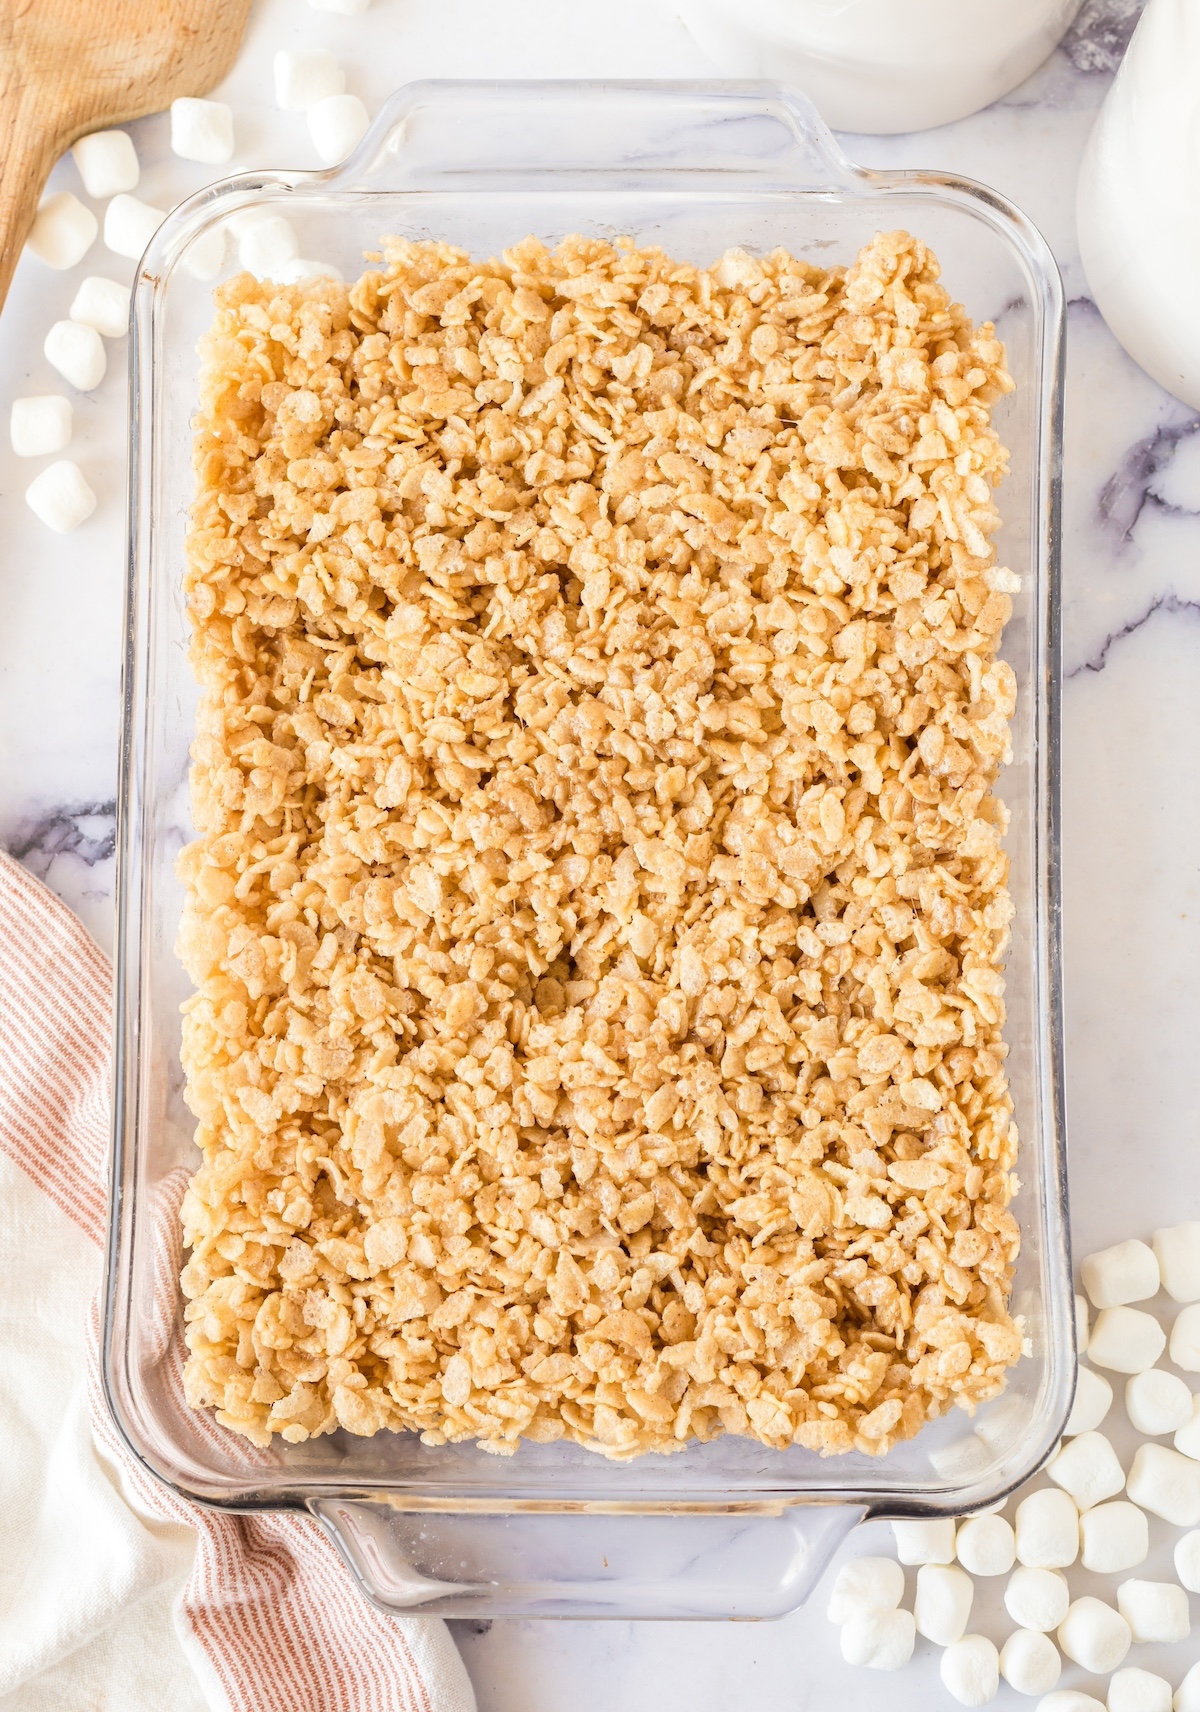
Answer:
(1094, 1515)
(63, 232)
(308, 81)
(313, 83)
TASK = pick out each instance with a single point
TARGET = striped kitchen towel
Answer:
(94, 1553)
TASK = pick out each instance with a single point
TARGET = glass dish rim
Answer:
(842, 179)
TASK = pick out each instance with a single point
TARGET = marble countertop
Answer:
(1131, 596)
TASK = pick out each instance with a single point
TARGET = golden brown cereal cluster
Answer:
(598, 908)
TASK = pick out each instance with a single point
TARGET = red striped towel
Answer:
(269, 1614)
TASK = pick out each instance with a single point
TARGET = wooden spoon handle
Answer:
(27, 151)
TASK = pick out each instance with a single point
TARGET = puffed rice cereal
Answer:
(598, 908)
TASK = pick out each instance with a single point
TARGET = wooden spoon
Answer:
(72, 66)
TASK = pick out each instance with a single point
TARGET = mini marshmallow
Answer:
(243, 218)
(986, 1545)
(1037, 1598)
(303, 79)
(943, 1602)
(1088, 1469)
(1094, 1635)
(1093, 1400)
(266, 245)
(1002, 1423)
(129, 225)
(299, 269)
(1187, 1439)
(201, 130)
(1134, 1690)
(204, 255)
(1069, 1700)
(39, 426)
(881, 1640)
(1185, 1339)
(1029, 1662)
(63, 230)
(970, 1670)
(1081, 1325)
(1187, 1561)
(1047, 1530)
(107, 162)
(961, 1459)
(866, 1584)
(1126, 1340)
(102, 304)
(1157, 1402)
(337, 126)
(1155, 1610)
(1187, 1695)
(1177, 1250)
(1166, 1484)
(924, 1542)
(1115, 1537)
(77, 352)
(60, 497)
(345, 8)
(1126, 1273)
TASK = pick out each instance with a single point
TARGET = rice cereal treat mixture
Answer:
(598, 908)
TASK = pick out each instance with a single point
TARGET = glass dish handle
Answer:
(445, 135)
(749, 1564)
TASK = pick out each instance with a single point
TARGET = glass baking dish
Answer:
(728, 1528)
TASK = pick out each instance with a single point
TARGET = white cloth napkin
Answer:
(116, 1596)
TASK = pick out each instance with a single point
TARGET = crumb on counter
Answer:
(598, 908)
